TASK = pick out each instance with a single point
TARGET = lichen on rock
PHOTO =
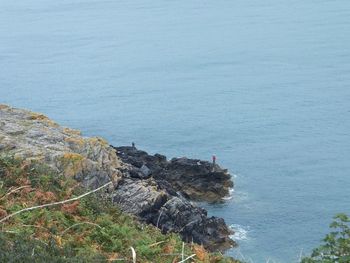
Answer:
(151, 188)
(33, 136)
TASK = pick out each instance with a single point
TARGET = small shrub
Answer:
(336, 244)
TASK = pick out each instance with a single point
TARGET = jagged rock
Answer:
(195, 179)
(145, 170)
(139, 197)
(176, 180)
(198, 180)
(180, 216)
(34, 137)
(169, 211)
(146, 186)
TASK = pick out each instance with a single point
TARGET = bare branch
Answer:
(55, 203)
(182, 252)
(133, 252)
(155, 244)
(14, 190)
(189, 257)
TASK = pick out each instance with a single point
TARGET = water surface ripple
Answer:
(264, 85)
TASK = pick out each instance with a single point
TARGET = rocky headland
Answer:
(195, 179)
(155, 190)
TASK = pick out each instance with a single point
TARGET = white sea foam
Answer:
(241, 233)
(230, 194)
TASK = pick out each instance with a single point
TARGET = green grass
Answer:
(88, 230)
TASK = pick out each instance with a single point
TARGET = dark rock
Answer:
(180, 216)
(161, 199)
(143, 185)
(195, 179)
(145, 170)
(138, 158)
(171, 213)
(142, 173)
(139, 197)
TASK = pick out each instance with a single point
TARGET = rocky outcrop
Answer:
(34, 137)
(170, 185)
(149, 187)
(195, 179)
(155, 202)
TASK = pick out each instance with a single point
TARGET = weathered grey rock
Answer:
(34, 137)
(145, 170)
(139, 197)
(180, 216)
(170, 210)
(195, 179)
(144, 185)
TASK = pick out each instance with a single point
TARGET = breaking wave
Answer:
(241, 233)
(230, 194)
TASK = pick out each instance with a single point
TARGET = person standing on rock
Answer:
(133, 145)
(214, 160)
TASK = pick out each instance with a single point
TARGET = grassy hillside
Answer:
(90, 229)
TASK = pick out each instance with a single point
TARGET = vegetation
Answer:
(90, 229)
(336, 246)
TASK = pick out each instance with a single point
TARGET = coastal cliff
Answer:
(159, 192)
(156, 191)
(34, 137)
(195, 179)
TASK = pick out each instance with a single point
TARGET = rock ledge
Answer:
(155, 190)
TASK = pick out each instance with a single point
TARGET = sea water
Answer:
(263, 85)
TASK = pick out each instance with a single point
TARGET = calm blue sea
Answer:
(264, 85)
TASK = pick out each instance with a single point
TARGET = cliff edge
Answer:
(153, 189)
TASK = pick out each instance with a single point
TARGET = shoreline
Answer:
(155, 190)
(183, 180)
